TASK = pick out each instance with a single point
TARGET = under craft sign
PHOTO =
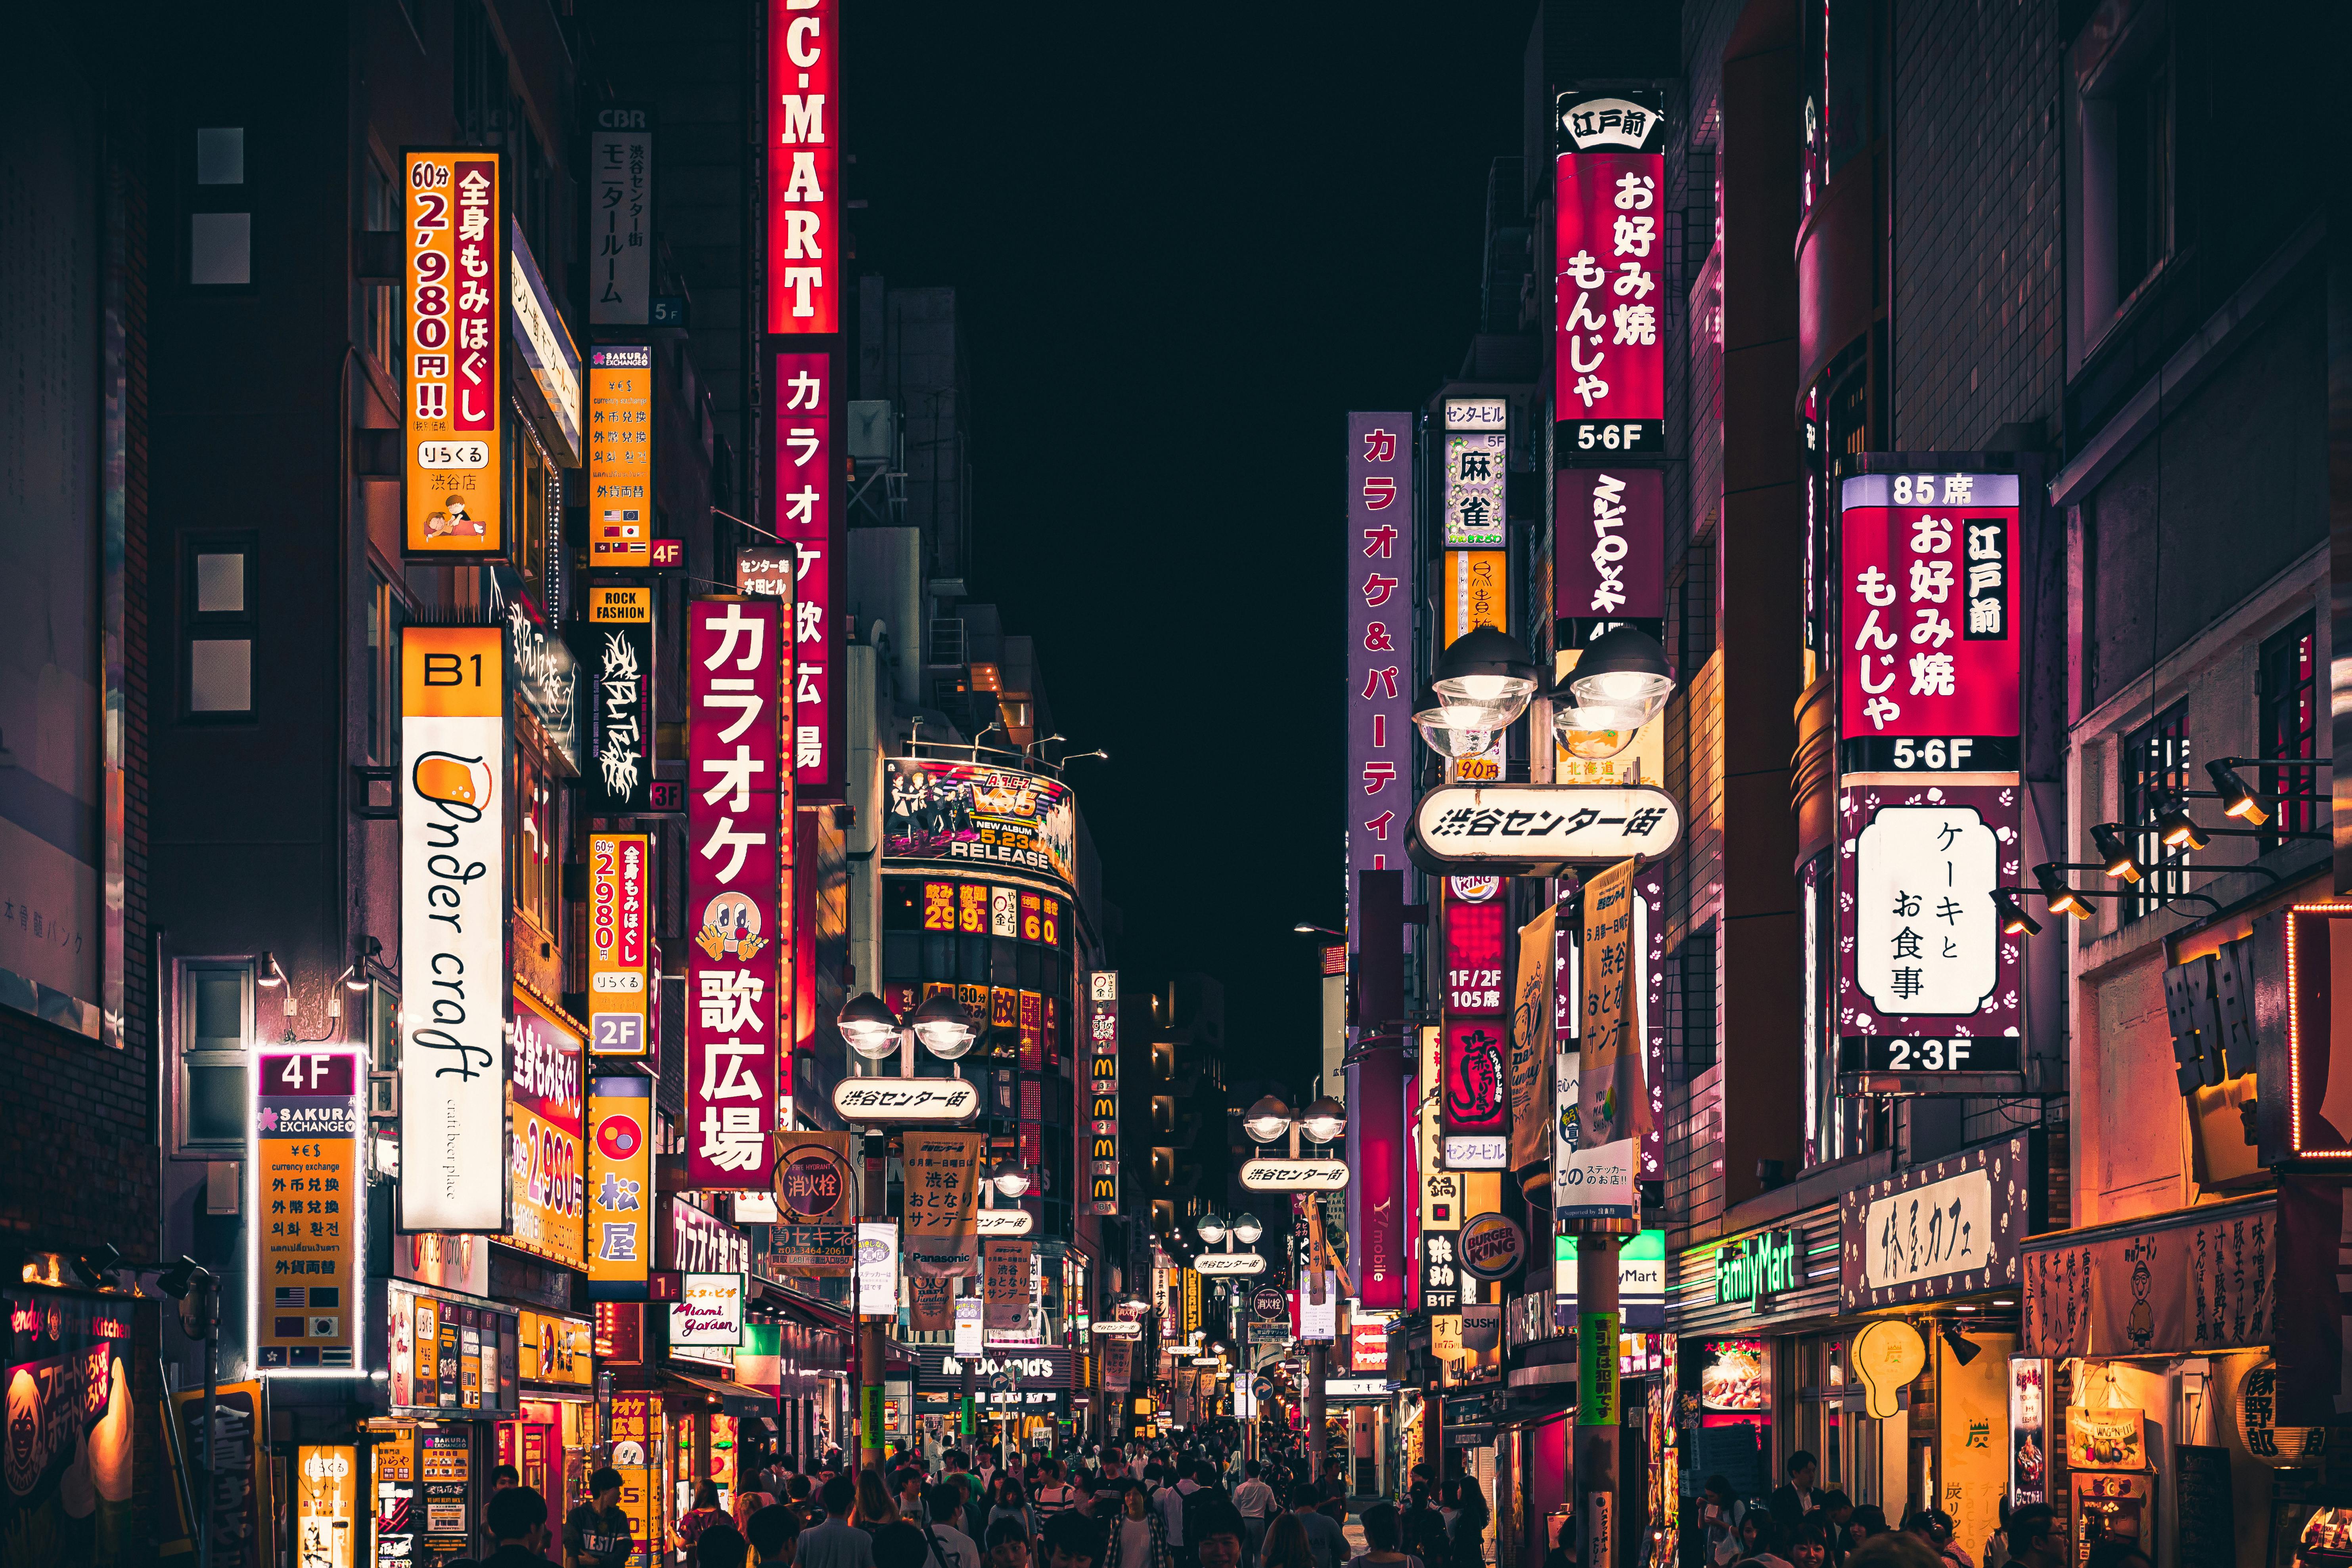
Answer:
(1532, 829)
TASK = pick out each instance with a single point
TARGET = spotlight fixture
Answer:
(2237, 800)
(1964, 1350)
(269, 976)
(2014, 920)
(96, 1269)
(2115, 852)
(2064, 899)
(2177, 828)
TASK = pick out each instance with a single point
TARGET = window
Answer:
(2155, 763)
(536, 853)
(379, 299)
(1691, 1005)
(2123, 171)
(2288, 674)
(220, 224)
(385, 617)
(215, 1025)
(217, 624)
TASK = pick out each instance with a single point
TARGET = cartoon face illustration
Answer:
(731, 926)
(454, 781)
(24, 1452)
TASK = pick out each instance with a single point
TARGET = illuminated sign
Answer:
(981, 814)
(456, 290)
(1609, 334)
(453, 928)
(309, 1176)
(809, 515)
(1102, 1051)
(1380, 541)
(620, 1155)
(1215, 1263)
(1537, 829)
(1755, 1267)
(709, 1313)
(617, 948)
(618, 644)
(620, 216)
(555, 1350)
(549, 1200)
(621, 444)
(1608, 560)
(1478, 465)
(874, 1101)
(1491, 1247)
(806, 245)
(1265, 1175)
(545, 343)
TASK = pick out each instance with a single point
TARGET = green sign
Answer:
(1596, 1369)
(872, 1420)
(967, 1418)
(1759, 1267)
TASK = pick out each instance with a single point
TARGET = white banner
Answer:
(878, 1269)
(1598, 1183)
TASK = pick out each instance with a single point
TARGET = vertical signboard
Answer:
(620, 1186)
(619, 774)
(1006, 1281)
(453, 926)
(1474, 1081)
(621, 456)
(309, 1204)
(1477, 463)
(807, 515)
(1609, 245)
(455, 292)
(326, 1506)
(1102, 1046)
(734, 891)
(620, 216)
(1376, 1197)
(1380, 643)
(545, 1161)
(942, 1201)
(1928, 681)
(1608, 560)
(803, 132)
(618, 970)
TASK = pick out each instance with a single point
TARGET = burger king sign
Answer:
(1491, 1247)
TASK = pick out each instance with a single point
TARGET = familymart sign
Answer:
(1755, 1267)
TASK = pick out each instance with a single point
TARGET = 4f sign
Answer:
(805, 247)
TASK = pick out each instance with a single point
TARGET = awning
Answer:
(2188, 1282)
(776, 1296)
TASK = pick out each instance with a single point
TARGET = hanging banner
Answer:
(618, 970)
(620, 1186)
(1532, 1012)
(309, 1206)
(1008, 1283)
(734, 891)
(806, 244)
(549, 1202)
(1614, 1102)
(620, 216)
(455, 293)
(1377, 1197)
(1102, 1052)
(1928, 680)
(1380, 639)
(621, 447)
(453, 922)
(810, 515)
(1609, 334)
(942, 1201)
(1117, 1357)
(931, 1303)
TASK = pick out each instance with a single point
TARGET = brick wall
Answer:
(1979, 333)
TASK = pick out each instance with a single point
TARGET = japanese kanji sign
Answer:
(543, 1159)
(942, 1186)
(735, 904)
(1609, 558)
(1610, 242)
(1949, 1228)
(1922, 961)
(1007, 1284)
(878, 1101)
(1379, 788)
(808, 513)
(1929, 677)
(805, 242)
(621, 456)
(456, 286)
(620, 216)
(1441, 1275)
(620, 1187)
(1534, 829)
(310, 1191)
(815, 1184)
(1474, 1083)
(1477, 463)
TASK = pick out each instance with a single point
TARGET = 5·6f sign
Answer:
(453, 925)
(454, 283)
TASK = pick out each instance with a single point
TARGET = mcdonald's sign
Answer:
(1102, 1052)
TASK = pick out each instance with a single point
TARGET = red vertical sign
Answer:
(734, 891)
(804, 237)
(1474, 1087)
(1609, 301)
(1380, 643)
(808, 513)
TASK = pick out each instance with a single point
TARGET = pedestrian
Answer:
(2036, 1539)
(1220, 1542)
(1895, 1549)
(1138, 1534)
(1286, 1546)
(875, 1506)
(1327, 1540)
(1053, 1495)
(721, 1546)
(1795, 1497)
(1169, 1501)
(1759, 1538)
(1254, 1501)
(953, 1546)
(835, 1543)
(774, 1533)
(516, 1517)
(751, 1499)
(1384, 1540)
(1809, 1544)
(1011, 1503)
(596, 1532)
(1008, 1543)
(800, 1497)
(1072, 1540)
(1835, 1511)
(1934, 1527)
(1867, 1522)
(501, 1478)
(1467, 1534)
(690, 1525)
(898, 1544)
(911, 1495)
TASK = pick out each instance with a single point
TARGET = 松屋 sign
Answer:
(455, 293)
(617, 950)
(1757, 1268)
(1536, 829)
(709, 1313)
(453, 928)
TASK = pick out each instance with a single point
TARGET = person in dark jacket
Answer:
(517, 1521)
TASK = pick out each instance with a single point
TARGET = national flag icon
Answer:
(286, 1296)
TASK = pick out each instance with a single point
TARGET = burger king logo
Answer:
(1490, 1248)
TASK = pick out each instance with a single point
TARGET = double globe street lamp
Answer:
(1486, 679)
(938, 1022)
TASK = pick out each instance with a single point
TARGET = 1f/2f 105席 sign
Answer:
(1537, 830)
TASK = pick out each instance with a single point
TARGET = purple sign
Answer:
(1609, 548)
(1379, 644)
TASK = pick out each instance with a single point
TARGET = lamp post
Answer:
(1324, 1122)
(941, 1027)
(197, 1289)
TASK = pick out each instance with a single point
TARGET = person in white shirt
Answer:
(952, 1547)
(1170, 1504)
(1255, 1500)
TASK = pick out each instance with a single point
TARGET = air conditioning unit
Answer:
(871, 428)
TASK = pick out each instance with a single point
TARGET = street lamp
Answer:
(1010, 1179)
(1266, 1120)
(1246, 1229)
(1622, 673)
(1211, 1228)
(1325, 1121)
(1485, 678)
(938, 1022)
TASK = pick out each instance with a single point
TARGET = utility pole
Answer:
(871, 1328)
(1319, 1352)
(1597, 1417)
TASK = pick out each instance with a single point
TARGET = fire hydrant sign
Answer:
(311, 1197)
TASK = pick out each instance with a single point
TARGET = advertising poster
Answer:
(878, 1269)
(734, 891)
(620, 1153)
(326, 1506)
(942, 1201)
(392, 1458)
(555, 1351)
(456, 295)
(811, 517)
(1614, 1099)
(931, 1303)
(1007, 1280)
(620, 457)
(70, 1431)
(453, 922)
(975, 814)
(815, 1197)
(1609, 246)
(1102, 1049)
(548, 1202)
(805, 242)
(618, 971)
(1380, 542)
(618, 653)
(1377, 1199)
(620, 216)
(1972, 1411)
(310, 1202)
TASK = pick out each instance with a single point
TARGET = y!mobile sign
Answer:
(1610, 243)
(453, 928)
(734, 891)
(805, 247)
(1379, 642)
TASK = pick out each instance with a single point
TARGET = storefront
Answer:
(454, 1377)
(553, 1443)
(73, 1417)
(1019, 1392)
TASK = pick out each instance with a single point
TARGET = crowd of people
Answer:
(1801, 1525)
(1109, 1507)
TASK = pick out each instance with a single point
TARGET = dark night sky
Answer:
(1185, 242)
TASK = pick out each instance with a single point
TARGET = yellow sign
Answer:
(619, 898)
(1192, 1300)
(620, 1156)
(1641, 762)
(326, 1506)
(1887, 1354)
(556, 1349)
(1474, 591)
(455, 293)
(1972, 1416)
(544, 1106)
(620, 606)
(620, 457)
(311, 1199)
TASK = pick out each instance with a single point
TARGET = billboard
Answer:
(620, 216)
(1609, 247)
(453, 926)
(1380, 643)
(980, 815)
(618, 971)
(455, 294)
(1608, 555)
(735, 895)
(809, 514)
(544, 1165)
(805, 242)
(620, 455)
(1474, 1079)
(620, 1154)
(1928, 680)
(309, 1174)
(1102, 1051)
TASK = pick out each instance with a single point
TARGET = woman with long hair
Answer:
(1012, 1502)
(705, 1513)
(1287, 1545)
(875, 1506)
(1466, 1535)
